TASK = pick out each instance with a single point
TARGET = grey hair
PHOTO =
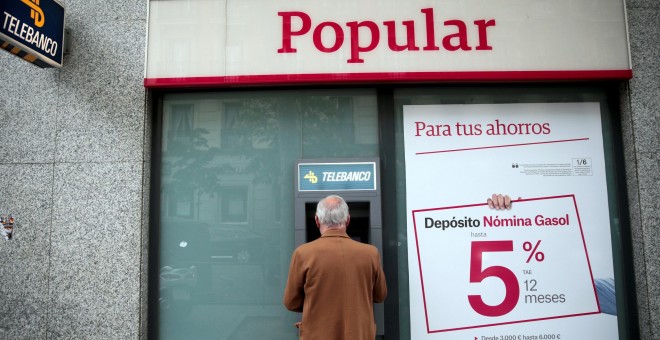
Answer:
(332, 212)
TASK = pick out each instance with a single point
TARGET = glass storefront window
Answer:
(226, 214)
(227, 182)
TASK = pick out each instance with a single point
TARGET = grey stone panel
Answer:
(26, 193)
(637, 233)
(649, 193)
(95, 11)
(639, 262)
(644, 99)
(102, 96)
(649, 190)
(8, 102)
(645, 85)
(23, 316)
(642, 4)
(95, 256)
(27, 112)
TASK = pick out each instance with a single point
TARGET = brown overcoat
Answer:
(334, 282)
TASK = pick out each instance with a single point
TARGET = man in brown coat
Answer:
(334, 280)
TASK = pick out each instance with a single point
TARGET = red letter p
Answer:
(287, 33)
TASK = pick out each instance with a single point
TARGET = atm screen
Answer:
(358, 228)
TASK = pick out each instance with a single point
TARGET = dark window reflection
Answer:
(226, 232)
(234, 204)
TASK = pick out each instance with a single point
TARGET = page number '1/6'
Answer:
(477, 274)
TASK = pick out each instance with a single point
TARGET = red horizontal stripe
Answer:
(502, 146)
(385, 77)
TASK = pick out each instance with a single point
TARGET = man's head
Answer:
(332, 213)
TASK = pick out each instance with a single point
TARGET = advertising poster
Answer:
(540, 270)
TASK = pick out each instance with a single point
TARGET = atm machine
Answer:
(355, 180)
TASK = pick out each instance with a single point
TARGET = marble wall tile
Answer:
(644, 32)
(96, 11)
(25, 191)
(23, 316)
(636, 230)
(645, 85)
(649, 193)
(28, 109)
(642, 4)
(8, 102)
(95, 256)
(102, 96)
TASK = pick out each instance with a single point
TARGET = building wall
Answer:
(640, 100)
(73, 160)
(74, 170)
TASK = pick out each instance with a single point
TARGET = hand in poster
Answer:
(499, 202)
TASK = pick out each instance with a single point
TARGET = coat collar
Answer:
(335, 233)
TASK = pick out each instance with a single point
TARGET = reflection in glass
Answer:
(226, 231)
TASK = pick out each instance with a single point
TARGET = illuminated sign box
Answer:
(33, 30)
(263, 42)
(336, 176)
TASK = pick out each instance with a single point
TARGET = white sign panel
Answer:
(541, 270)
(207, 42)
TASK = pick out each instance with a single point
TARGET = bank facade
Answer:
(162, 176)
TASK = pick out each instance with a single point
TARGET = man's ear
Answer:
(348, 220)
(316, 219)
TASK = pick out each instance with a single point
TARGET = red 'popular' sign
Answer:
(454, 39)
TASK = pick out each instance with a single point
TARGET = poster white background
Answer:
(447, 169)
